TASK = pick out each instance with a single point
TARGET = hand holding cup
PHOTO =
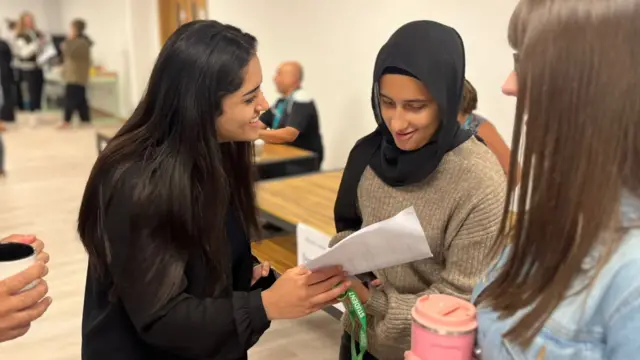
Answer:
(22, 288)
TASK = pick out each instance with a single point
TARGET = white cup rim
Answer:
(11, 252)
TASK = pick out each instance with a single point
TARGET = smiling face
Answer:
(240, 110)
(408, 110)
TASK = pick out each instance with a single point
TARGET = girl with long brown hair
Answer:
(568, 284)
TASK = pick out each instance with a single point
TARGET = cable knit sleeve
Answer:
(467, 258)
(339, 237)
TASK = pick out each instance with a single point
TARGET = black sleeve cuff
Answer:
(259, 320)
(265, 282)
(251, 317)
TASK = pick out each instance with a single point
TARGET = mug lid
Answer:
(445, 313)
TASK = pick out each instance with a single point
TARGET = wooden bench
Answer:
(279, 251)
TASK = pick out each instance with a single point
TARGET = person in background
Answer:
(5, 71)
(29, 43)
(419, 157)
(293, 119)
(2, 129)
(12, 25)
(76, 52)
(482, 127)
(567, 286)
(169, 210)
(18, 309)
(7, 110)
(3, 172)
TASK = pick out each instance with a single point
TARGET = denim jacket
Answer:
(601, 322)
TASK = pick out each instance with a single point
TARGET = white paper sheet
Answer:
(395, 241)
(310, 244)
(48, 52)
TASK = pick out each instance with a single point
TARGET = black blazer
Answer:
(125, 319)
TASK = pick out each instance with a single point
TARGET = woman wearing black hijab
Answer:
(419, 156)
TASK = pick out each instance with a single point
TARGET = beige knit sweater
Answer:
(459, 206)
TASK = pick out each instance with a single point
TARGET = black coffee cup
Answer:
(15, 257)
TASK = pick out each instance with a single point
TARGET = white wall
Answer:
(105, 26)
(125, 35)
(45, 12)
(337, 42)
(143, 38)
(126, 41)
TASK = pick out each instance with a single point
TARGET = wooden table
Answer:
(272, 154)
(286, 202)
(277, 153)
(307, 199)
(279, 251)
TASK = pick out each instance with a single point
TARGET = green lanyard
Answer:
(356, 310)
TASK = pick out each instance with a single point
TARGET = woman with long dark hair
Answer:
(568, 284)
(169, 209)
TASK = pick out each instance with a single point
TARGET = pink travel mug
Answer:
(444, 327)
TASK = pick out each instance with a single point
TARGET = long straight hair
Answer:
(20, 25)
(185, 180)
(578, 82)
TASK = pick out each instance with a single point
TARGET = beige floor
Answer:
(47, 170)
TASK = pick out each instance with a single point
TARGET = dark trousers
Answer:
(35, 82)
(7, 110)
(17, 89)
(345, 349)
(76, 100)
(1, 155)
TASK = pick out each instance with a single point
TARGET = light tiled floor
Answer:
(47, 170)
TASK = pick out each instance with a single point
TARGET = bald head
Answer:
(293, 68)
(288, 77)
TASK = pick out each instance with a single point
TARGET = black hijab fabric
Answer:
(434, 54)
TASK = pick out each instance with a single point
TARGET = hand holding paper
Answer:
(395, 241)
